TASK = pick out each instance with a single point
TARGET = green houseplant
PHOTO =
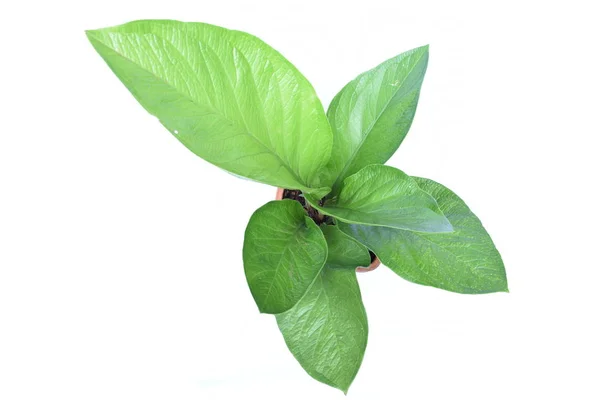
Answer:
(236, 102)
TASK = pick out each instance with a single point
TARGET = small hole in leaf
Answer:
(176, 132)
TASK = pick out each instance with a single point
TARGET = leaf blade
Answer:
(327, 330)
(372, 114)
(385, 196)
(464, 261)
(344, 251)
(281, 261)
(226, 95)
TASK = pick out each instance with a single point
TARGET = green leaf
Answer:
(284, 251)
(327, 330)
(343, 250)
(464, 261)
(385, 196)
(226, 95)
(372, 114)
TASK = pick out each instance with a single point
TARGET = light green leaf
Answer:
(343, 250)
(226, 95)
(284, 251)
(327, 330)
(464, 261)
(385, 196)
(372, 114)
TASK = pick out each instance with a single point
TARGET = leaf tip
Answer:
(263, 309)
(503, 284)
(89, 33)
(344, 388)
(271, 309)
(500, 287)
(424, 49)
(92, 35)
(446, 226)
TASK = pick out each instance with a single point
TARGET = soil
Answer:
(312, 213)
(373, 256)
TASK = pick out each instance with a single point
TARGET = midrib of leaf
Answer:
(368, 131)
(346, 220)
(365, 201)
(258, 96)
(428, 272)
(330, 315)
(287, 246)
(425, 238)
(210, 107)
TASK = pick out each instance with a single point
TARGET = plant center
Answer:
(313, 213)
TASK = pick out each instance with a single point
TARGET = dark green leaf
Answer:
(464, 261)
(343, 250)
(327, 330)
(385, 196)
(284, 251)
(226, 95)
(372, 114)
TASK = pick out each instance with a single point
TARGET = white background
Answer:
(120, 251)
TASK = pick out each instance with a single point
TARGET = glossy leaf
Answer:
(327, 330)
(464, 261)
(372, 114)
(343, 250)
(385, 196)
(284, 251)
(226, 95)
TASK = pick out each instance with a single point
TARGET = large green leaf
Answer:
(464, 261)
(226, 95)
(343, 250)
(284, 251)
(327, 330)
(385, 196)
(372, 114)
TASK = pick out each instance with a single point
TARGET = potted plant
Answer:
(239, 104)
